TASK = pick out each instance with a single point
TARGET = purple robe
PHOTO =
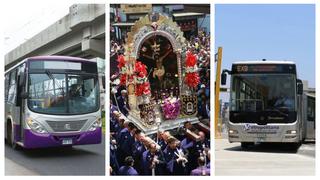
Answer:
(127, 171)
(147, 158)
(125, 142)
(186, 144)
(173, 167)
(201, 171)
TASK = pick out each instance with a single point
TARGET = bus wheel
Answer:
(245, 145)
(10, 135)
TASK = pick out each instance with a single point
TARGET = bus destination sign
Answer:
(263, 68)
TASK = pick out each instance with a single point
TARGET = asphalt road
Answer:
(263, 159)
(14, 169)
(79, 160)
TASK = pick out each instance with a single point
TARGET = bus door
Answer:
(311, 113)
(20, 101)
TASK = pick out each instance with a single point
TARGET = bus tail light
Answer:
(36, 126)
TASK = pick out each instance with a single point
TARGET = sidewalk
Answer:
(308, 149)
(14, 169)
(262, 160)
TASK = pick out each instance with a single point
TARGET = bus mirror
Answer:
(299, 87)
(223, 78)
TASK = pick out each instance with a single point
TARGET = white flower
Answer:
(116, 82)
(191, 69)
(140, 80)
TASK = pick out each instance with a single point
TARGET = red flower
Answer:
(192, 79)
(143, 89)
(191, 59)
(146, 88)
(141, 72)
(123, 79)
(140, 69)
(121, 61)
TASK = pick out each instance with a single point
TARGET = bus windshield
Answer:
(59, 93)
(263, 92)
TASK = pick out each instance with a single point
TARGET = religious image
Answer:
(159, 89)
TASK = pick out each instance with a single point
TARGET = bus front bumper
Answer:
(33, 140)
(263, 133)
(260, 139)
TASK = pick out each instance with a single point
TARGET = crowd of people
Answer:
(200, 45)
(134, 153)
(116, 47)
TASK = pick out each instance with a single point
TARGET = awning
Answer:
(123, 24)
(187, 14)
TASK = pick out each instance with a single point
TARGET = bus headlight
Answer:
(95, 124)
(233, 131)
(36, 126)
(292, 132)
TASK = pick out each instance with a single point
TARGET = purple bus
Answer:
(52, 101)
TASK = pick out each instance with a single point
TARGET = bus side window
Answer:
(311, 109)
(6, 87)
(12, 93)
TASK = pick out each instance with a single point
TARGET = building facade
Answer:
(190, 17)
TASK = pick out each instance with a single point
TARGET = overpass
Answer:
(81, 33)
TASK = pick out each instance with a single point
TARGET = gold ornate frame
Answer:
(142, 30)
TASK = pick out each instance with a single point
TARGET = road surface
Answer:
(79, 160)
(14, 169)
(264, 159)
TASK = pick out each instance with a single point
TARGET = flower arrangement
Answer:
(122, 69)
(142, 84)
(171, 108)
(140, 74)
(192, 78)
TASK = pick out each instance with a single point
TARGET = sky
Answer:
(267, 31)
(23, 21)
